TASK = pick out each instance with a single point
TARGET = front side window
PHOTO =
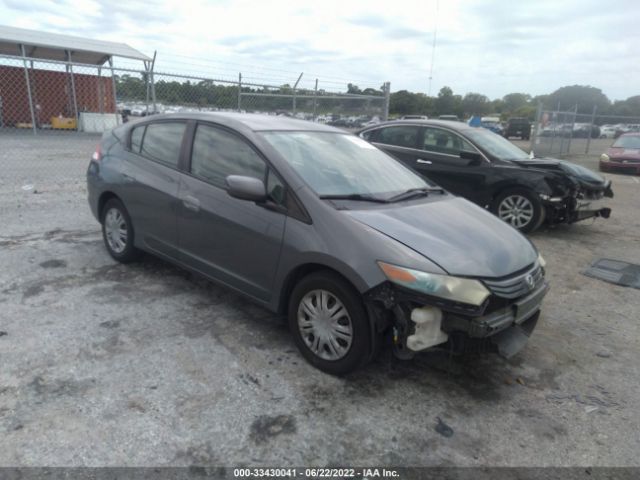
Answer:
(217, 154)
(495, 145)
(444, 141)
(275, 188)
(401, 135)
(136, 138)
(341, 164)
(162, 142)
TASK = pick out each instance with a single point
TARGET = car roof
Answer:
(630, 134)
(252, 121)
(434, 123)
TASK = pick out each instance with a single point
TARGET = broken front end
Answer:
(579, 202)
(424, 311)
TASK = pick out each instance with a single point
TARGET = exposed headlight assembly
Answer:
(604, 157)
(452, 288)
(541, 261)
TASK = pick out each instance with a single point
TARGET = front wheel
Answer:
(329, 323)
(520, 208)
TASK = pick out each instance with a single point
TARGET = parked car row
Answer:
(353, 246)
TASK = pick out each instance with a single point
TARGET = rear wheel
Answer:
(117, 232)
(329, 323)
(520, 208)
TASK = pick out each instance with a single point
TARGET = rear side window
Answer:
(402, 136)
(217, 154)
(162, 142)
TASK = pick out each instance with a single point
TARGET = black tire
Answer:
(500, 204)
(128, 253)
(359, 351)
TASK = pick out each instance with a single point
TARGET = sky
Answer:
(493, 47)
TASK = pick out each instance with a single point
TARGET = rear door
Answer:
(150, 180)
(400, 141)
(235, 241)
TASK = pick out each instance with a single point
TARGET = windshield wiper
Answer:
(354, 196)
(414, 192)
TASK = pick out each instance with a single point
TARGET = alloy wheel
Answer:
(516, 210)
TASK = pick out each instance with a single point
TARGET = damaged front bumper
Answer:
(583, 204)
(507, 328)
(502, 325)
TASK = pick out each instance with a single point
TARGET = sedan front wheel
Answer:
(520, 208)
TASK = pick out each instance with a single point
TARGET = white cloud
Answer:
(483, 46)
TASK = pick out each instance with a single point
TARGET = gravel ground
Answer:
(105, 364)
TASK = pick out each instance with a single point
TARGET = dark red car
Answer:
(623, 156)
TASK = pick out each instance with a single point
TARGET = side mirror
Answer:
(475, 159)
(246, 188)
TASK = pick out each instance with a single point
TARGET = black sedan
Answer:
(489, 170)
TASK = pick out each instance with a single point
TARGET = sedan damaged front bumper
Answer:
(418, 324)
(507, 329)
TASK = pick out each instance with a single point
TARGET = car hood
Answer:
(462, 238)
(577, 172)
(626, 153)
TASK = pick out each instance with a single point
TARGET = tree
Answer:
(445, 103)
(351, 88)
(404, 102)
(475, 104)
(514, 101)
(584, 96)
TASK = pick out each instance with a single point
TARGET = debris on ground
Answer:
(443, 429)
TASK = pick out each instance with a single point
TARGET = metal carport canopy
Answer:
(53, 46)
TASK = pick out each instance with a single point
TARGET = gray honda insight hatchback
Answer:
(322, 227)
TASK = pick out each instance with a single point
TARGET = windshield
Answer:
(342, 164)
(496, 145)
(627, 142)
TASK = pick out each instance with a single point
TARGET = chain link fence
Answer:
(566, 133)
(52, 113)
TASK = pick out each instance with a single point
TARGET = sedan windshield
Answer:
(336, 164)
(632, 141)
(495, 145)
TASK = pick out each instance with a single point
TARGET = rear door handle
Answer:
(191, 203)
(420, 160)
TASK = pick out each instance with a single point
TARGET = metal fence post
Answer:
(113, 86)
(593, 119)
(28, 81)
(294, 92)
(573, 126)
(239, 91)
(536, 127)
(153, 83)
(315, 100)
(73, 90)
(147, 68)
(387, 98)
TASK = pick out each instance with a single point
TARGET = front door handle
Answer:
(191, 203)
(427, 162)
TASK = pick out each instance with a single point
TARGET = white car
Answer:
(608, 131)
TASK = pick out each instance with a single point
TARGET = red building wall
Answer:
(51, 93)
